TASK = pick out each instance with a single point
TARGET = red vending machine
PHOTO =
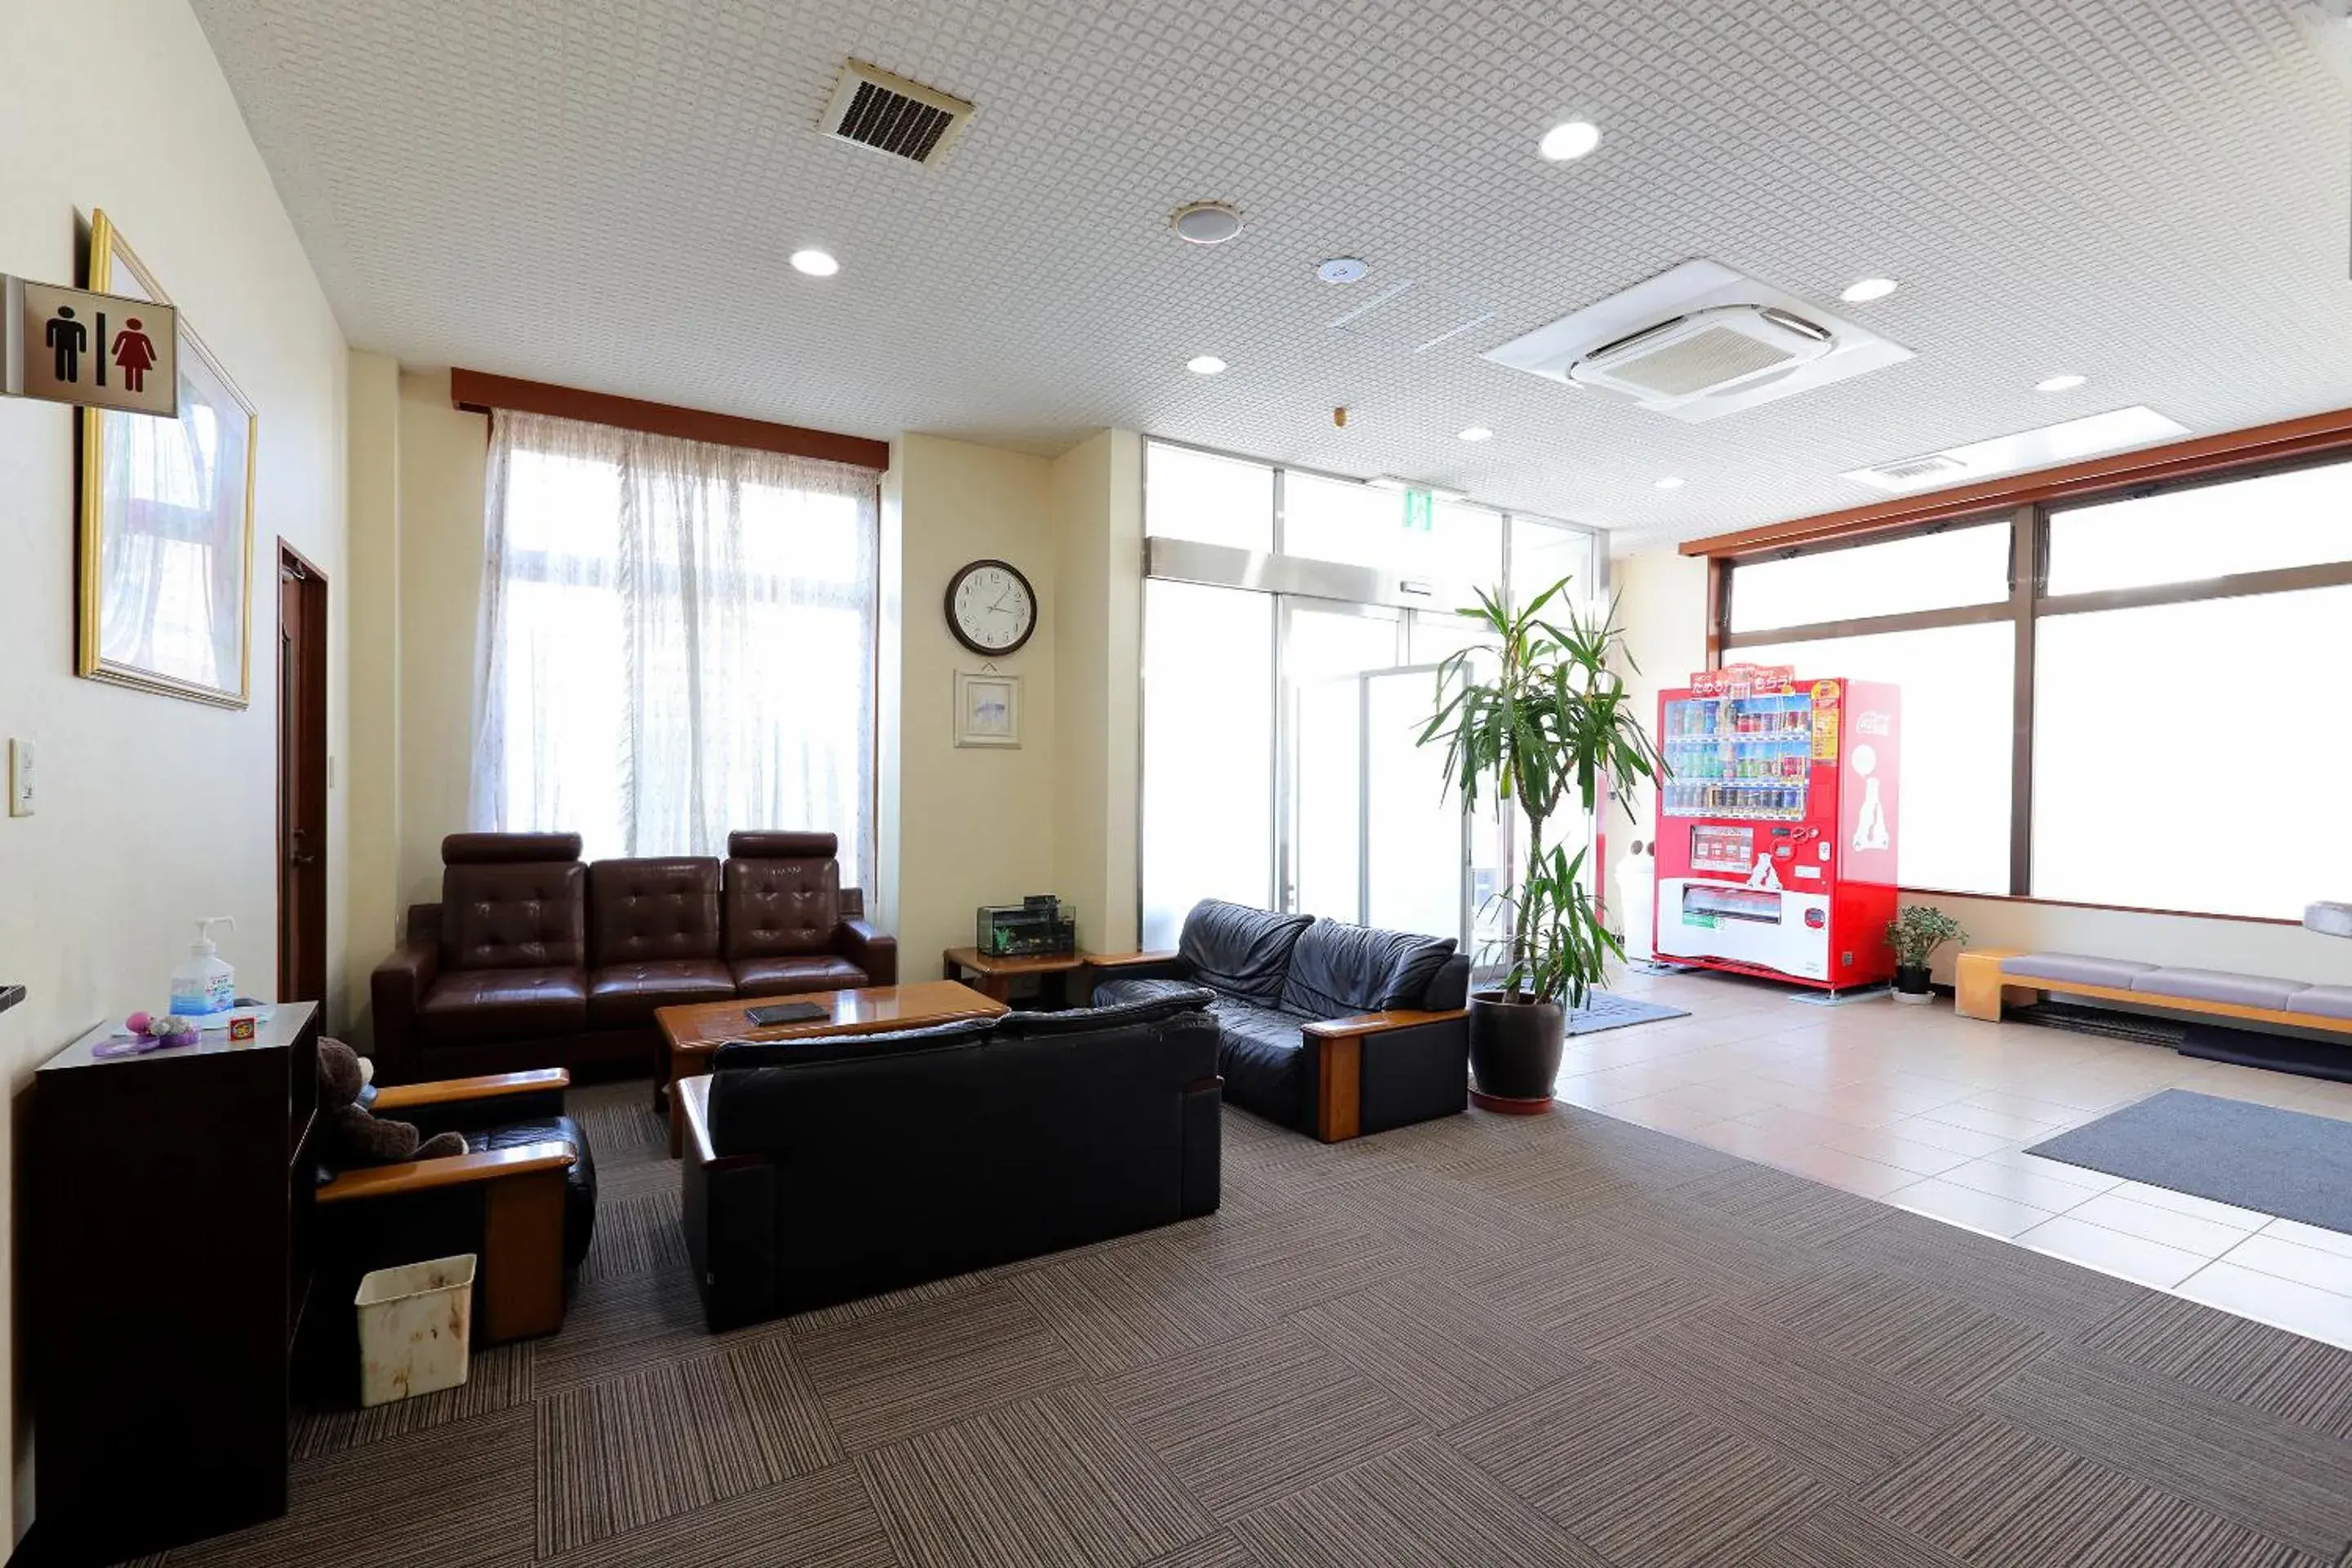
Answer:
(1778, 825)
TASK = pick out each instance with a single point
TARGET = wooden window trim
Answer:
(478, 392)
(2217, 455)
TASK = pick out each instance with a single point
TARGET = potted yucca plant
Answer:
(1533, 713)
(1915, 934)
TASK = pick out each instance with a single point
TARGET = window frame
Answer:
(2030, 515)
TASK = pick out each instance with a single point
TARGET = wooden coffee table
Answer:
(692, 1034)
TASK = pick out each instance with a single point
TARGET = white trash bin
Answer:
(414, 1324)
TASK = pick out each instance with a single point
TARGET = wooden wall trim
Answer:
(478, 392)
(2313, 433)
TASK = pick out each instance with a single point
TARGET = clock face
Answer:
(990, 607)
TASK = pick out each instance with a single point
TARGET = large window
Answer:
(1282, 701)
(2180, 750)
(677, 641)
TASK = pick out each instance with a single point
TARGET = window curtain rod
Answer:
(478, 392)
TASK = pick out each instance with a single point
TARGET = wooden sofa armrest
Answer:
(1128, 960)
(455, 1170)
(452, 1091)
(1364, 1024)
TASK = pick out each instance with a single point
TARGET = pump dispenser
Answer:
(202, 983)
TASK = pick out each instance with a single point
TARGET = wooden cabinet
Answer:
(169, 1198)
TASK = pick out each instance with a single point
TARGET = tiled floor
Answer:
(1920, 1108)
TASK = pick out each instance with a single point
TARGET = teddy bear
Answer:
(355, 1135)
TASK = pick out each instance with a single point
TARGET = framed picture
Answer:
(166, 525)
(987, 710)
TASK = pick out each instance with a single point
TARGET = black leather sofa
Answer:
(1331, 1028)
(818, 1170)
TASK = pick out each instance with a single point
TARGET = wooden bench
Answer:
(1984, 986)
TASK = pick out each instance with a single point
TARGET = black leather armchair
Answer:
(817, 1170)
(1334, 1030)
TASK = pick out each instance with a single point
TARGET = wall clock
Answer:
(991, 608)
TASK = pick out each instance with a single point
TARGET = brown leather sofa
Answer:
(533, 960)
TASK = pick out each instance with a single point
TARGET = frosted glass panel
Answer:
(2194, 756)
(1219, 500)
(2295, 518)
(1339, 519)
(1413, 850)
(1207, 752)
(1925, 572)
(1956, 687)
(1324, 651)
(1544, 552)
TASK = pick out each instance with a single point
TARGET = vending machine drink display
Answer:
(1778, 825)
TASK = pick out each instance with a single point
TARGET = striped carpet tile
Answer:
(2054, 1296)
(1222, 1549)
(820, 1521)
(1647, 1481)
(1585, 1299)
(1446, 1356)
(1249, 1420)
(1050, 1481)
(625, 1451)
(2001, 1497)
(2267, 1474)
(888, 1377)
(1940, 1345)
(1420, 1506)
(640, 1235)
(1838, 1535)
(1825, 1414)
(796, 1437)
(1778, 1202)
(498, 1379)
(1130, 1306)
(456, 1495)
(2286, 1374)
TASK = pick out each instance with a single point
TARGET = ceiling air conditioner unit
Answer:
(1698, 341)
(1703, 354)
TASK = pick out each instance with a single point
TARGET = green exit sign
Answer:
(1416, 511)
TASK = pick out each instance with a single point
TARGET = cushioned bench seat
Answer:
(1987, 977)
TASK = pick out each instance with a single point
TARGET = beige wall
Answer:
(151, 811)
(974, 825)
(372, 611)
(1099, 676)
(1665, 617)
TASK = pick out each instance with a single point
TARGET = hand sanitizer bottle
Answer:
(203, 984)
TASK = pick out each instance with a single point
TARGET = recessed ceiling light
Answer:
(1863, 290)
(1342, 269)
(1670, 483)
(1206, 223)
(816, 263)
(1570, 139)
(1477, 432)
(1204, 365)
(2067, 382)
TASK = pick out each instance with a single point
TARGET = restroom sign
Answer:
(101, 351)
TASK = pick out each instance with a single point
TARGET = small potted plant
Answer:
(1915, 934)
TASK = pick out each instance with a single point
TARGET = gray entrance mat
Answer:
(1602, 1011)
(2285, 1163)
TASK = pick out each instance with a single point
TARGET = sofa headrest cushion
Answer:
(1238, 951)
(811, 1049)
(508, 849)
(1118, 1015)
(766, 845)
(1339, 969)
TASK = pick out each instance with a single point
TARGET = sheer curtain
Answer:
(677, 641)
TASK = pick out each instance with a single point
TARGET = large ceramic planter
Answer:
(1515, 1049)
(1911, 983)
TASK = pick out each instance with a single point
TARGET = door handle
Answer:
(296, 854)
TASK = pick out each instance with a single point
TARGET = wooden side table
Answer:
(992, 974)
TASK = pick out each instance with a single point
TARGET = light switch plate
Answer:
(20, 778)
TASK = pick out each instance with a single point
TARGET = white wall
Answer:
(962, 825)
(1665, 616)
(1664, 646)
(153, 811)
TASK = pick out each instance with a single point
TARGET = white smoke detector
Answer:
(1342, 269)
(1700, 342)
(1205, 223)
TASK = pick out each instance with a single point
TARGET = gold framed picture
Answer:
(166, 520)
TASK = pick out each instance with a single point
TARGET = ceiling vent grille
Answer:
(871, 107)
(1911, 470)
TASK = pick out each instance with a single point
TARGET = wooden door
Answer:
(301, 779)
